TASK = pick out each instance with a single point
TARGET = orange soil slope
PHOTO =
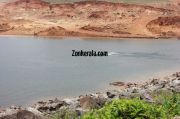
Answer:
(89, 18)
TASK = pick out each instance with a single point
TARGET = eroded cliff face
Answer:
(165, 26)
(88, 18)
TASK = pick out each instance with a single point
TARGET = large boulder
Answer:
(88, 102)
(23, 114)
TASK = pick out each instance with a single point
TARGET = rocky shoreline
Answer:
(84, 103)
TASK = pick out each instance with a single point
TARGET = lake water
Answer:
(36, 68)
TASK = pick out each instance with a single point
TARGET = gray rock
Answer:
(129, 85)
(177, 117)
(88, 102)
(110, 95)
(177, 74)
(10, 110)
(23, 114)
(176, 89)
(72, 103)
(155, 87)
(50, 106)
(33, 110)
(1, 110)
(147, 97)
(155, 81)
(117, 83)
(125, 95)
(175, 83)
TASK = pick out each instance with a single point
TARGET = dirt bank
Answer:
(88, 18)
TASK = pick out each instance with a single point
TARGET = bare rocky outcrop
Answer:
(53, 31)
(34, 4)
(88, 18)
(50, 106)
(59, 31)
(97, 15)
(165, 26)
(121, 32)
(91, 102)
(5, 27)
(93, 28)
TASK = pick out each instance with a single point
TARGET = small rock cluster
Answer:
(84, 103)
(9, 111)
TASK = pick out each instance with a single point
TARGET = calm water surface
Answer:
(35, 68)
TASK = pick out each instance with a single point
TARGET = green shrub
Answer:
(169, 101)
(165, 106)
(127, 109)
(172, 105)
(64, 114)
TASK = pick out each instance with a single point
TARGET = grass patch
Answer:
(65, 114)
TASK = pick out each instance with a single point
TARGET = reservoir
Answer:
(33, 68)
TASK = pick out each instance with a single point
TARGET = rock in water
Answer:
(117, 83)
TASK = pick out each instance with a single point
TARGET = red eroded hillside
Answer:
(92, 18)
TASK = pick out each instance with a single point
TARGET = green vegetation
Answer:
(65, 114)
(127, 109)
(167, 108)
